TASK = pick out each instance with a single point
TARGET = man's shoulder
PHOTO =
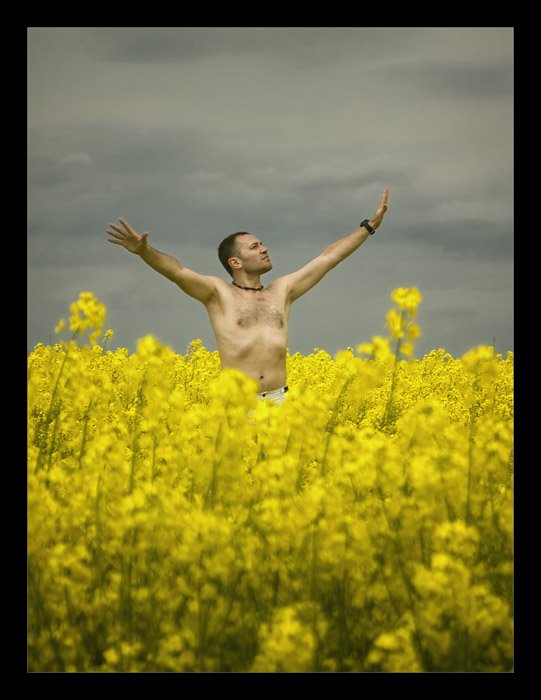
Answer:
(217, 282)
(279, 282)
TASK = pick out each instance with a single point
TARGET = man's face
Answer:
(253, 255)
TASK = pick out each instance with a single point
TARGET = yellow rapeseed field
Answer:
(177, 524)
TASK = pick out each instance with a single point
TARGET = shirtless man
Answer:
(249, 320)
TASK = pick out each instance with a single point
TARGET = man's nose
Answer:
(264, 250)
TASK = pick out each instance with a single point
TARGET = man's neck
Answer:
(246, 280)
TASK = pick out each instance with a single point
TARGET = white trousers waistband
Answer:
(276, 395)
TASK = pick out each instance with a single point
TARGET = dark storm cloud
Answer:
(299, 45)
(450, 81)
(120, 150)
(290, 133)
(469, 237)
(181, 178)
(104, 170)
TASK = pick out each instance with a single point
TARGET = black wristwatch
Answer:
(367, 226)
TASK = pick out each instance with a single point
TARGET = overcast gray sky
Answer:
(291, 134)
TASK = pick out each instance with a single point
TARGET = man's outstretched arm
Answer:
(200, 287)
(299, 282)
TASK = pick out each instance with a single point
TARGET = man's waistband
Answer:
(272, 394)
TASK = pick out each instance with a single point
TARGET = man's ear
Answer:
(234, 263)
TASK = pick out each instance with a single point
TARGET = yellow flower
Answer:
(413, 331)
(184, 526)
(407, 349)
(111, 656)
(407, 298)
(379, 348)
(87, 313)
(395, 323)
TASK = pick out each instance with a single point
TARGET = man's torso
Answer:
(251, 330)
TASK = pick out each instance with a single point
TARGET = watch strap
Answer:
(371, 230)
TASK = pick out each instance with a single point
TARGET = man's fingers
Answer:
(111, 240)
(127, 226)
(383, 201)
(116, 233)
(118, 229)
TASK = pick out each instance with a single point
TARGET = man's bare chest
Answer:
(259, 309)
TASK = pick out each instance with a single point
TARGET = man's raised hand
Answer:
(128, 238)
(375, 221)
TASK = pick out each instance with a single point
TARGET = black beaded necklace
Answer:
(250, 289)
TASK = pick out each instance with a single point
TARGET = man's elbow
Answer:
(329, 260)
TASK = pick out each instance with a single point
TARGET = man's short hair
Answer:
(228, 249)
